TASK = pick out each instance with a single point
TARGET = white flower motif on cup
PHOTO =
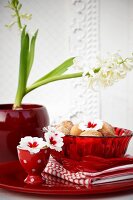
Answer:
(25, 161)
(53, 138)
(32, 180)
(91, 125)
(39, 161)
(32, 144)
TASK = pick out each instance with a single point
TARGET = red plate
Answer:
(12, 176)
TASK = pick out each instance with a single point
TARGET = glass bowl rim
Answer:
(117, 136)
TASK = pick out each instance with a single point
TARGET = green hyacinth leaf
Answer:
(31, 54)
(61, 69)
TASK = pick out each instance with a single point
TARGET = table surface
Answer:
(7, 195)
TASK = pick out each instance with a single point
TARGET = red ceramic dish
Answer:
(77, 148)
(12, 176)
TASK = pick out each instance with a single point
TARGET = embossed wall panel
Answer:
(84, 42)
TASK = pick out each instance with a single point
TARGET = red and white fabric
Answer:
(124, 172)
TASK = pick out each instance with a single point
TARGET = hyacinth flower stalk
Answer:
(27, 53)
(103, 72)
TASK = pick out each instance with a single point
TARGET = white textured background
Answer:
(116, 33)
(108, 24)
(71, 27)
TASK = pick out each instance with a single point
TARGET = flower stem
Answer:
(18, 19)
(18, 100)
(22, 69)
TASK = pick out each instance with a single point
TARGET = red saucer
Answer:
(12, 176)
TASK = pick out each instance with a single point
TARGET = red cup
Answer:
(33, 164)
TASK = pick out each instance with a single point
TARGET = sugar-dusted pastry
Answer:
(63, 130)
(75, 130)
(107, 130)
(91, 133)
(67, 124)
(95, 128)
(65, 127)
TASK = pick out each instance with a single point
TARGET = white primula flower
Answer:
(53, 138)
(91, 125)
(32, 144)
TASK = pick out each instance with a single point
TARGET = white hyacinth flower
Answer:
(111, 70)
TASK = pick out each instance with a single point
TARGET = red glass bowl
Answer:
(77, 148)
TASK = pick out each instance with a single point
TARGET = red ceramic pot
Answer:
(15, 124)
(33, 164)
